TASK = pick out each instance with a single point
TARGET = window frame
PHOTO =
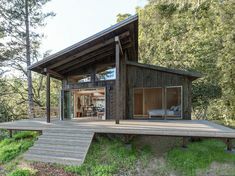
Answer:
(164, 102)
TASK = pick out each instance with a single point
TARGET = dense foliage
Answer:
(17, 88)
(11, 148)
(195, 36)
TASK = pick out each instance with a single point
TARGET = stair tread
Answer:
(61, 154)
(56, 150)
(54, 159)
(61, 145)
(63, 139)
(43, 156)
(62, 142)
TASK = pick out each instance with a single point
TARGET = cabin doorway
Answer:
(87, 103)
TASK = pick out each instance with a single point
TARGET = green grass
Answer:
(198, 155)
(10, 148)
(22, 172)
(107, 157)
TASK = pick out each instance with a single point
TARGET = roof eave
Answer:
(85, 41)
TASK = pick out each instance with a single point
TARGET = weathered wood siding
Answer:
(139, 77)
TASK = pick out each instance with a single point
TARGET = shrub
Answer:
(10, 148)
(21, 172)
(25, 135)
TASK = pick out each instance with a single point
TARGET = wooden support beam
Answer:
(48, 108)
(10, 133)
(184, 142)
(93, 74)
(117, 86)
(53, 73)
(93, 54)
(62, 104)
(117, 40)
(229, 144)
(85, 62)
(89, 50)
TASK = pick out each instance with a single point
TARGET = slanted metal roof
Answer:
(111, 32)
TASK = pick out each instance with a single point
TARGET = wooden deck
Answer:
(67, 142)
(190, 128)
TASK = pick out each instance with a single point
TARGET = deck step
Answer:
(76, 135)
(63, 139)
(57, 153)
(63, 143)
(53, 159)
(69, 131)
(49, 136)
(61, 146)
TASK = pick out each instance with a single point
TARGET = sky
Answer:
(78, 19)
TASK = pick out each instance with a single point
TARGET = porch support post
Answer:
(10, 133)
(117, 82)
(184, 142)
(229, 144)
(48, 108)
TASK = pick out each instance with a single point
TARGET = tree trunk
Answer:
(29, 74)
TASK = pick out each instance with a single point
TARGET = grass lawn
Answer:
(108, 157)
(200, 155)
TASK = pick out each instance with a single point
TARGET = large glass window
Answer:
(157, 102)
(153, 102)
(138, 105)
(108, 74)
(84, 78)
(173, 101)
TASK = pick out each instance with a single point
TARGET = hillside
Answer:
(109, 155)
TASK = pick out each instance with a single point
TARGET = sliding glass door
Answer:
(173, 102)
(158, 102)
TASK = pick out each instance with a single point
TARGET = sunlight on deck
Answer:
(200, 128)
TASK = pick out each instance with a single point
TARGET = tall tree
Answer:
(121, 17)
(194, 35)
(28, 61)
(21, 21)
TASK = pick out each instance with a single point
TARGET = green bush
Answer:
(198, 155)
(25, 135)
(21, 172)
(10, 148)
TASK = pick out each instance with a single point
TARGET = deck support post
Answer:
(117, 81)
(229, 144)
(48, 108)
(184, 142)
(10, 133)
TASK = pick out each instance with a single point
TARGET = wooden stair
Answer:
(61, 146)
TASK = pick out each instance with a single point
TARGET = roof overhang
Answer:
(97, 47)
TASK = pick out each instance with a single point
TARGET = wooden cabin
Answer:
(102, 79)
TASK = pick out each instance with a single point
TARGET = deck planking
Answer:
(190, 128)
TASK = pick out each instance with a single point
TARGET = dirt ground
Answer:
(49, 170)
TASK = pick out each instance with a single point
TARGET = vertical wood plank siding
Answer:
(138, 77)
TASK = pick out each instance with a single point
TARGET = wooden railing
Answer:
(41, 111)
